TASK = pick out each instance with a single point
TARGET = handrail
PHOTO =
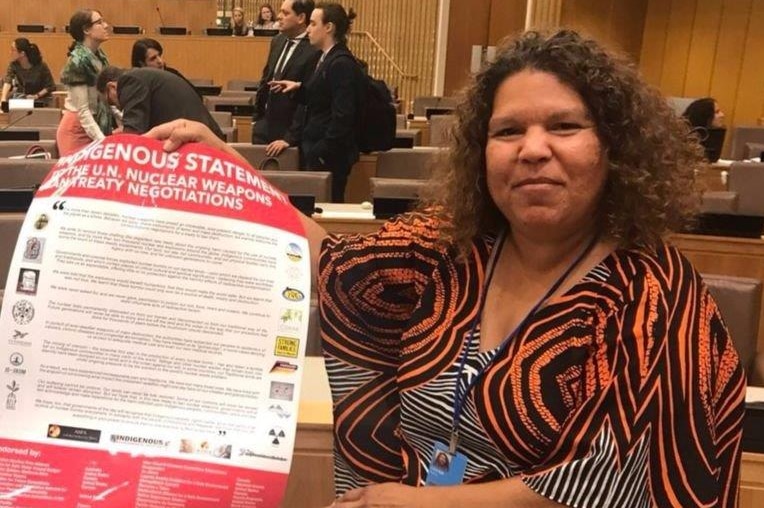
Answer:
(386, 55)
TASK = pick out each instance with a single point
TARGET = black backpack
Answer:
(378, 118)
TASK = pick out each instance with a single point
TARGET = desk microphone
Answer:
(11, 124)
(161, 19)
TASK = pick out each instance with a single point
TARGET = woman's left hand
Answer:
(381, 495)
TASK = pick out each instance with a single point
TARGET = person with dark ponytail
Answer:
(27, 75)
(706, 121)
(334, 96)
(87, 117)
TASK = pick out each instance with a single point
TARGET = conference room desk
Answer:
(195, 56)
(311, 479)
(741, 257)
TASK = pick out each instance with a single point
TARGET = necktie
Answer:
(282, 61)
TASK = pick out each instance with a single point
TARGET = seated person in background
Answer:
(266, 20)
(529, 321)
(238, 25)
(27, 75)
(149, 97)
(704, 115)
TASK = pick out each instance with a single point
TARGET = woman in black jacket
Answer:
(334, 96)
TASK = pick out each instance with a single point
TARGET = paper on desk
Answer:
(754, 394)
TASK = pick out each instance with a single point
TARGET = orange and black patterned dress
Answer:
(624, 391)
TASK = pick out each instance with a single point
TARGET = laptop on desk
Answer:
(20, 135)
(428, 112)
(236, 109)
(265, 32)
(173, 30)
(208, 89)
(306, 204)
(219, 31)
(16, 200)
(386, 208)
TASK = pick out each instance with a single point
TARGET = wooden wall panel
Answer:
(195, 57)
(194, 14)
(467, 26)
(617, 23)
(697, 48)
(507, 19)
(654, 40)
(678, 39)
(702, 50)
(404, 29)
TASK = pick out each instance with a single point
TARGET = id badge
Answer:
(446, 468)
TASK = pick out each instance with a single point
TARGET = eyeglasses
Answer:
(99, 21)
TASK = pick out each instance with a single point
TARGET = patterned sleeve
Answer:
(369, 286)
(663, 426)
(9, 74)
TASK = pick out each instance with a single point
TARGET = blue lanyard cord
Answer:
(459, 397)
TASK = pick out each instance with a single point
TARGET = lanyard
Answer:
(459, 397)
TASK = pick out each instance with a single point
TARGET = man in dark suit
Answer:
(149, 97)
(279, 117)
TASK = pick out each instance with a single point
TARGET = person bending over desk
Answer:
(149, 97)
(529, 321)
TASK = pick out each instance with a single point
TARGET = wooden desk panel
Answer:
(742, 257)
(752, 481)
(219, 58)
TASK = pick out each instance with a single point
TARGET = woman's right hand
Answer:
(283, 86)
(176, 133)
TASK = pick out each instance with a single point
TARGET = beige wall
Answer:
(714, 48)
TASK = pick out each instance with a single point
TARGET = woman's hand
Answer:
(283, 86)
(179, 132)
(382, 495)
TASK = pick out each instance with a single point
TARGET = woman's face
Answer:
(266, 14)
(317, 30)
(98, 29)
(15, 53)
(718, 120)
(238, 17)
(153, 59)
(545, 165)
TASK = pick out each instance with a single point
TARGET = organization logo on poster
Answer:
(56, 431)
(282, 367)
(11, 400)
(19, 338)
(294, 252)
(290, 321)
(279, 411)
(287, 346)
(16, 360)
(276, 434)
(23, 312)
(139, 440)
(282, 391)
(28, 280)
(292, 294)
(33, 249)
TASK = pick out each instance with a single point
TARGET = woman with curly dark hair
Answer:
(530, 322)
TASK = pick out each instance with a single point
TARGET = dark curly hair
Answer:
(651, 157)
